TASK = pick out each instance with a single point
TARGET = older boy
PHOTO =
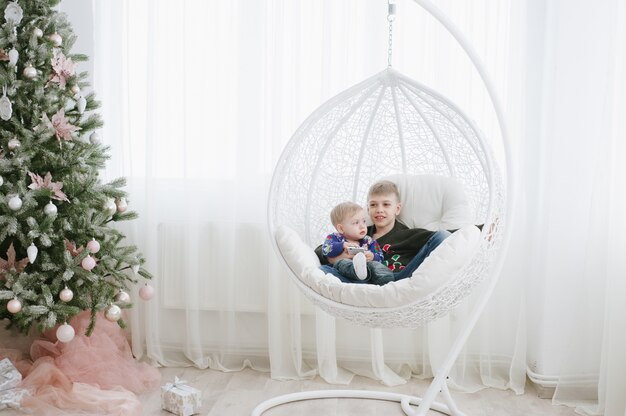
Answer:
(404, 248)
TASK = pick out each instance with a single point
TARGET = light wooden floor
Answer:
(237, 393)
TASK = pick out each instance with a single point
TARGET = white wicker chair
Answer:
(391, 124)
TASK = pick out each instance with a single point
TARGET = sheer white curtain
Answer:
(575, 182)
(199, 98)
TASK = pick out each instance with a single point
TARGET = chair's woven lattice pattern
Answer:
(387, 124)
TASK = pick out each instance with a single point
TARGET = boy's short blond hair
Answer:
(341, 211)
(383, 188)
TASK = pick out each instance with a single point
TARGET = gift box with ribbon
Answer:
(10, 394)
(180, 399)
(12, 398)
(9, 376)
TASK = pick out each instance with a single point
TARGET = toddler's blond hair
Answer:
(342, 211)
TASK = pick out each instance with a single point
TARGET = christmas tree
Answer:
(59, 251)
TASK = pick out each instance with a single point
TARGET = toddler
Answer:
(349, 219)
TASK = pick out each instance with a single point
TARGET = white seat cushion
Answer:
(437, 269)
(428, 201)
(296, 253)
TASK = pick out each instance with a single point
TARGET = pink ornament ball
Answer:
(122, 297)
(66, 295)
(65, 333)
(146, 292)
(113, 313)
(88, 263)
(121, 204)
(56, 39)
(30, 72)
(14, 305)
(93, 246)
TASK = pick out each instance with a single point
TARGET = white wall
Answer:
(80, 15)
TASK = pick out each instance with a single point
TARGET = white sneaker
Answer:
(360, 266)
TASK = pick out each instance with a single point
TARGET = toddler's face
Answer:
(383, 209)
(354, 227)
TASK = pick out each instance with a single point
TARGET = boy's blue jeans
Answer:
(415, 262)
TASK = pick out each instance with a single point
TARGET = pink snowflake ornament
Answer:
(62, 69)
(46, 183)
(11, 264)
(61, 125)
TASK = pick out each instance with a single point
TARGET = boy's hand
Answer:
(347, 244)
(343, 255)
(369, 256)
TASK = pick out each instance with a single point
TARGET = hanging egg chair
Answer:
(390, 126)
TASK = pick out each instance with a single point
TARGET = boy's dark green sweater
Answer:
(401, 244)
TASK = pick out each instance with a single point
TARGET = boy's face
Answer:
(354, 227)
(383, 210)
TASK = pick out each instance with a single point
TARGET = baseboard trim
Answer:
(545, 385)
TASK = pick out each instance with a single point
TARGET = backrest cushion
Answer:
(432, 202)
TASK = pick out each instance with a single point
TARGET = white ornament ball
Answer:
(146, 292)
(66, 295)
(121, 204)
(1, 180)
(65, 333)
(113, 313)
(37, 32)
(30, 72)
(94, 138)
(50, 209)
(14, 305)
(32, 251)
(109, 207)
(122, 297)
(14, 144)
(75, 89)
(15, 203)
(93, 246)
(88, 263)
(56, 39)
(81, 104)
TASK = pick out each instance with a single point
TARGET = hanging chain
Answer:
(391, 15)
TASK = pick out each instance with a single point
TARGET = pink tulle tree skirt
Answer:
(95, 375)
